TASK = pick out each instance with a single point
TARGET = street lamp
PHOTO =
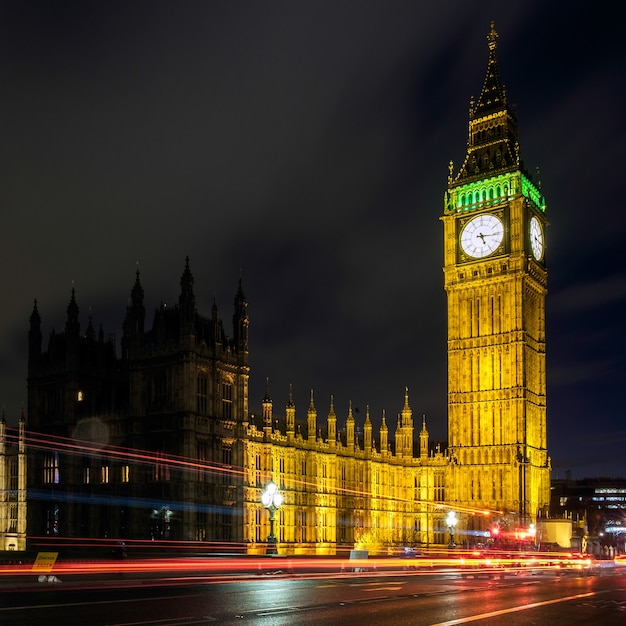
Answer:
(163, 517)
(271, 499)
(451, 521)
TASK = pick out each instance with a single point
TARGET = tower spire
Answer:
(240, 319)
(72, 326)
(332, 425)
(350, 429)
(311, 420)
(384, 434)
(187, 298)
(493, 142)
(34, 335)
(367, 433)
(290, 414)
(267, 409)
(135, 319)
(493, 95)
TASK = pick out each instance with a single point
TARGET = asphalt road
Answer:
(412, 598)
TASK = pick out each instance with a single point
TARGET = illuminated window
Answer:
(125, 477)
(79, 396)
(104, 474)
(201, 525)
(51, 474)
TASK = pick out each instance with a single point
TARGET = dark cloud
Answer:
(306, 146)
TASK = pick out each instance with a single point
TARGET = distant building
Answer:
(596, 509)
(159, 443)
(12, 487)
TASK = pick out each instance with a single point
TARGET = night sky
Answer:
(305, 147)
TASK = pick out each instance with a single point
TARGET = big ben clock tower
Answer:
(496, 283)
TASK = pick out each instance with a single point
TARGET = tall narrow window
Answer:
(227, 401)
(201, 398)
(227, 461)
(160, 390)
(258, 469)
(259, 520)
(14, 475)
(161, 468)
(13, 518)
(201, 525)
(201, 457)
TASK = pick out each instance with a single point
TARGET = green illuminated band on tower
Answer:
(493, 191)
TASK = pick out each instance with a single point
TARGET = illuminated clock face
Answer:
(536, 238)
(482, 235)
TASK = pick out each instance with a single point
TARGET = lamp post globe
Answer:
(271, 499)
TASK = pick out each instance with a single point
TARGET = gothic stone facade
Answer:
(159, 443)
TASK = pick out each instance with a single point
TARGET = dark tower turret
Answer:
(187, 300)
(240, 321)
(34, 337)
(135, 319)
(72, 325)
(72, 334)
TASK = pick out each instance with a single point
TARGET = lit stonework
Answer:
(12, 486)
(339, 489)
(496, 319)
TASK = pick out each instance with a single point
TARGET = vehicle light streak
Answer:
(232, 566)
(81, 447)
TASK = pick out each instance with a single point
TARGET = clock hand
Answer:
(481, 236)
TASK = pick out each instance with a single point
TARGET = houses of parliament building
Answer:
(158, 442)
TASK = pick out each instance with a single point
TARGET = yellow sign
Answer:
(45, 561)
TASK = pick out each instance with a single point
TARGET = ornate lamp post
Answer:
(451, 521)
(271, 499)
